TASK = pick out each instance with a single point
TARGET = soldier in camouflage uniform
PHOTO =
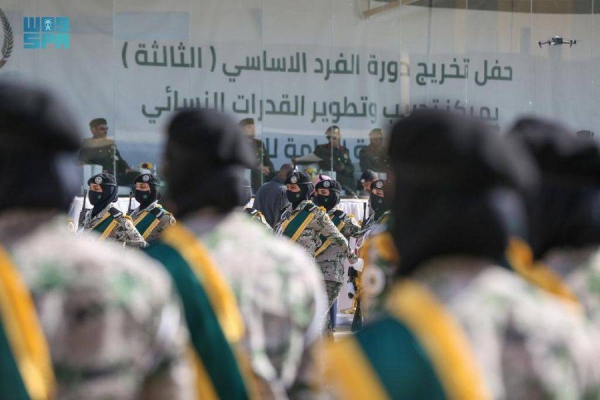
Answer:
(330, 257)
(111, 321)
(564, 229)
(459, 325)
(150, 217)
(105, 219)
(304, 222)
(277, 287)
(378, 252)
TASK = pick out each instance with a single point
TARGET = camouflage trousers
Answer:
(333, 290)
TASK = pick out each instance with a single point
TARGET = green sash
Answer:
(25, 365)
(147, 221)
(295, 225)
(338, 221)
(108, 223)
(417, 352)
(214, 326)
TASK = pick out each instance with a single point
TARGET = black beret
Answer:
(32, 120)
(150, 179)
(208, 139)
(379, 184)
(298, 178)
(563, 158)
(330, 184)
(103, 179)
(436, 148)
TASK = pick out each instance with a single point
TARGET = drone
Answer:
(556, 40)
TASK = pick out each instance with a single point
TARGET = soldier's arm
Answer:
(129, 234)
(122, 165)
(266, 159)
(330, 231)
(351, 227)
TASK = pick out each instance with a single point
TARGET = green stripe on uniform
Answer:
(208, 339)
(399, 361)
(11, 384)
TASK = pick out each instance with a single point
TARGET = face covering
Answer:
(95, 197)
(329, 201)
(101, 200)
(144, 197)
(376, 201)
(294, 197)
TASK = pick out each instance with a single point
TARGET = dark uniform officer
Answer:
(150, 218)
(373, 156)
(105, 219)
(101, 150)
(264, 170)
(335, 157)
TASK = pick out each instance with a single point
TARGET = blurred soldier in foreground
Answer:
(252, 300)
(329, 256)
(105, 324)
(565, 230)
(105, 218)
(150, 218)
(459, 325)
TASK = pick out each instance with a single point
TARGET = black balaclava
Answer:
(38, 145)
(334, 193)
(451, 176)
(302, 179)
(566, 212)
(147, 197)
(205, 157)
(109, 192)
(380, 204)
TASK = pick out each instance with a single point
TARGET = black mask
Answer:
(144, 197)
(101, 199)
(294, 197)
(95, 197)
(329, 201)
(377, 202)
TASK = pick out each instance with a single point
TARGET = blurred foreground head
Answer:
(38, 145)
(456, 190)
(567, 208)
(205, 157)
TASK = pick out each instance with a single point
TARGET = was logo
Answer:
(42, 32)
(8, 39)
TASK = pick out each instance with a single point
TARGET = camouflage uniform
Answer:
(380, 259)
(165, 218)
(280, 297)
(112, 322)
(258, 217)
(331, 262)
(580, 271)
(124, 232)
(321, 225)
(527, 343)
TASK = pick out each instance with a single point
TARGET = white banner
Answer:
(296, 68)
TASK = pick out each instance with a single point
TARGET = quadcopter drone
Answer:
(556, 40)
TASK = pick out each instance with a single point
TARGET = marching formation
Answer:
(476, 272)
